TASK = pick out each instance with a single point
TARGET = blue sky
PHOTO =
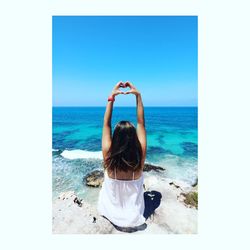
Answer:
(158, 54)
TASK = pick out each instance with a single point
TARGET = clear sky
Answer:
(158, 54)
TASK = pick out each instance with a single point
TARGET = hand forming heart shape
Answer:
(124, 87)
(131, 89)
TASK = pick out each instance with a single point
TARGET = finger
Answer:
(120, 92)
(128, 92)
(122, 85)
(129, 84)
(119, 84)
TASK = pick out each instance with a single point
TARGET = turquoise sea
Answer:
(172, 142)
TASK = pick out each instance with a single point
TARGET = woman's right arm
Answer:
(141, 131)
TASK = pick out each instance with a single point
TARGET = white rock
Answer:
(69, 218)
(172, 216)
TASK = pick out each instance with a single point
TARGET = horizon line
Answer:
(193, 106)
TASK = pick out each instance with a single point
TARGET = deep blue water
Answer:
(171, 141)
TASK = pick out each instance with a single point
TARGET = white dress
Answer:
(122, 201)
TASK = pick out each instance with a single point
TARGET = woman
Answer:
(121, 199)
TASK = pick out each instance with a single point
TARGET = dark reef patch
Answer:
(158, 150)
(92, 144)
(58, 144)
(190, 148)
(72, 144)
(160, 139)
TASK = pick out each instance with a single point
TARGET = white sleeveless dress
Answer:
(122, 201)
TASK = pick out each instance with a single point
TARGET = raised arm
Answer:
(140, 110)
(141, 131)
(106, 131)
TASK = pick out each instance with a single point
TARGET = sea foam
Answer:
(81, 154)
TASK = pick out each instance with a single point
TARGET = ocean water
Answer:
(172, 142)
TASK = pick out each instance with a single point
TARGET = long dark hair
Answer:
(125, 152)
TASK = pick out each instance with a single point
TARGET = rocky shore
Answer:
(177, 213)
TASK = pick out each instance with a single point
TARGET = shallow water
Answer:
(171, 143)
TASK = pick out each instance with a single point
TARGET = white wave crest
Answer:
(81, 154)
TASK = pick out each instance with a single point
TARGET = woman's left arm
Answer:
(106, 131)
